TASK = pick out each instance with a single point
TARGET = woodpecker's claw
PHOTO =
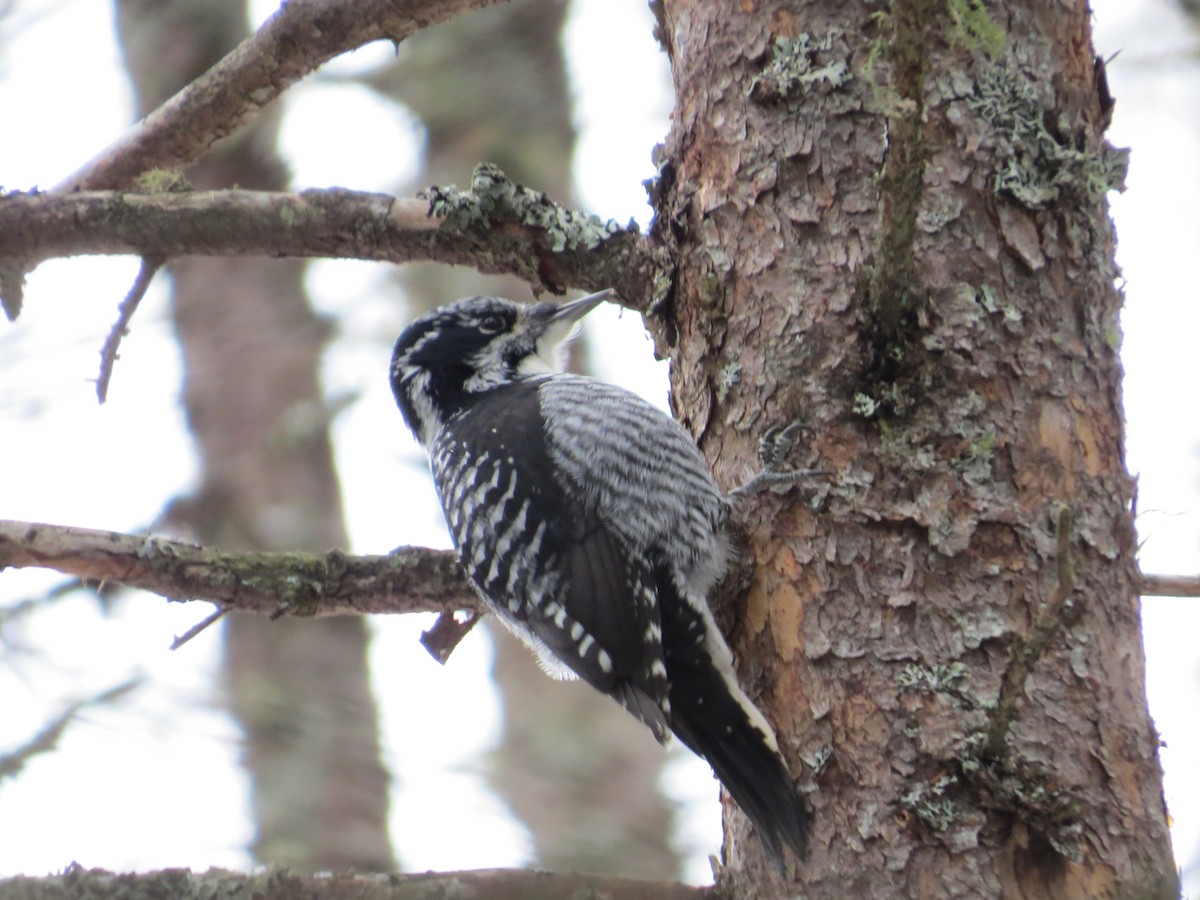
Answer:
(764, 480)
(778, 443)
(773, 450)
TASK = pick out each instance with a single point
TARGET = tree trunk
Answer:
(892, 226)
(252, 346)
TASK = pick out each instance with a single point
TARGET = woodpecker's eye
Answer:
(491, 324)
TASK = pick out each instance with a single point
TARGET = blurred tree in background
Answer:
(252, 345)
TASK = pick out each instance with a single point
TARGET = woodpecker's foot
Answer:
(773, 450)
(778, 443)
(764, 480)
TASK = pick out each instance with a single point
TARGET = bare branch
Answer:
(483, 884)
(46, 740)
(1170, 586)
(295, 41)
(15, 611)
(108, 353)
(200, 626)
(336, 223)
(410, 579)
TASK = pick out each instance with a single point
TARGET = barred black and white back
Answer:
(590, 524)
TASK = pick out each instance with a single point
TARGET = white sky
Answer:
(173, 775)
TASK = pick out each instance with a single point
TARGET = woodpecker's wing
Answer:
(542, 555)
(642, 473)
(610, 637)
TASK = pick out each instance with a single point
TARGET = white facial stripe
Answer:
(551, 349)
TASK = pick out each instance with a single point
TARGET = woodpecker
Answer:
(590, 524)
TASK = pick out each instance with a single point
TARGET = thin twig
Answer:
(16, 610)
(182, 639)
(46, 740)
(108, 353)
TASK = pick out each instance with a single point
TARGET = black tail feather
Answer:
(709, 719)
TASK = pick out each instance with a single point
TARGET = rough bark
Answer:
(891, 225)
(252, 347)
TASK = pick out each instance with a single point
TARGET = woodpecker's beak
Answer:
(575, 310)
(552, 326)
(554, 323)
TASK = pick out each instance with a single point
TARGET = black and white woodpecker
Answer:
(590, 524)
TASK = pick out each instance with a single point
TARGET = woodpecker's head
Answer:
(474, 345)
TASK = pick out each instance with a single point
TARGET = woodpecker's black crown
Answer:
(475, 345)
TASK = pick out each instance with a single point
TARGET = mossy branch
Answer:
(292, 43)
(548, 245)
(277, 883)
(410, 579)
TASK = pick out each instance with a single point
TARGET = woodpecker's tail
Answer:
(711, 719)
